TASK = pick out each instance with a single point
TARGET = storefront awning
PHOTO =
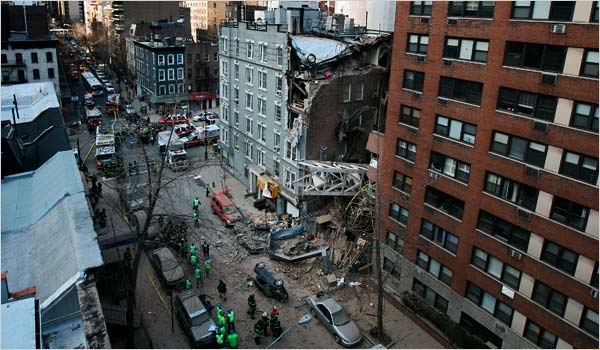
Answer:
(200, 96)
(272, 187)
(168, 98)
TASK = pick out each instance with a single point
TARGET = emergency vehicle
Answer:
(106, 155)
(88, 100)
(207, 135)
(93, 117)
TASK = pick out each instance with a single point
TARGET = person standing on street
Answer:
(220, 338)
(193, 260)
(251, 306)
(276, 327)
(206, 249)
(188, 284)
(222, 319)
(198, 274)
(196, 218)
(222, 289)
(258, 332)
(207, 188)
(193, 248)
(196, 204)
(207, 266)
(264, 321)
(230, 319)
(274, 311)
(232, 339)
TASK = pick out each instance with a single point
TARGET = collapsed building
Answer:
(313, 87)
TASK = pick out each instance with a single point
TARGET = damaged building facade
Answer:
(297, 86)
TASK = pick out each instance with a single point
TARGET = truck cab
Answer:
(177, 159)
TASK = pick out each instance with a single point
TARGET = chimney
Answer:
(5, 292)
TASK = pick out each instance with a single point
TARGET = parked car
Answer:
(173, 119)
(203, 116)
(110, 89)
(168, 268)
(196, 321)
(224, 208)
(335, 319)
(267, 283)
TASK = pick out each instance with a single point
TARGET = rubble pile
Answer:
(253, 240)
(297, 245)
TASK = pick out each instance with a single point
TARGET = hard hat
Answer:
(265, 314)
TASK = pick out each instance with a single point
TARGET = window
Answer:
(249, 76)
(18, 57)
(421, 8)
(503, 230)
(170, 59)
(290, 177)
(589, 321)
(170, 74)
(236, 140)
(249, 101)
(237, 47)
(36, 74)
(216, 56)
(549, 298)
(539, 336)
(263, 53)
(276, 139)
(594, 17)
(391, 267)
(444, 202)
(543, 10)
(262, 106)
(4, 58)
(236, 118)
(417, 43)
(430, 296)
(489, 303)
(595, 276)
(34, 57)
(449, 166)
(590, 64)
(225, 71)
(439, 236)
(435, 268)
(520, 149)
(171, 88)
(262, 80)
(224, 44)
(225, 114)
(226, 136)
(279, 56)
(455, 129)
(250, 50)
(510, 190)
(50, 58)
(249, 149)
(548, 58)
(348, 93)
(394, 242)
(276, 167)
(398, 213)
(189, 72)
(530, 104)
(406, 150)
(560, 257)
(467, 49)
(585, 116)
(277, 113)
(410, 115)
(402, 182)
(279, 85)
(413, 80)
(162, 90)
(260, 157)
(179, 58)
(290, 152)
(360, 92)
(236, 94)
(569, 213)
(580, 167)
(206, 58)
(249, 125)
(180, 74)
(225, 91)
(481, 9)
(236, 71)
(461, 90)
(496, 268)
(50, 73)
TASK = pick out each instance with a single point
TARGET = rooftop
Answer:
(32, 100)
(46, 211)
(18, 324)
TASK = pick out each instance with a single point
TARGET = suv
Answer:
(194, 318)
(224, 208)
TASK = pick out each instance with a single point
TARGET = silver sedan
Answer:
(335, 319)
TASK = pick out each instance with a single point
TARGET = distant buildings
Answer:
(205, 17)
(29, 51)
(373, 14)
(288, 96)
(71, 11)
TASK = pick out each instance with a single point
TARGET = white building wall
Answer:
(42, 65)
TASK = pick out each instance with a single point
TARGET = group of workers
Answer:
(226, 326)
(261, 328)
(196, 264)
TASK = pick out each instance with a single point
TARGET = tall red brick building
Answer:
(488, 169)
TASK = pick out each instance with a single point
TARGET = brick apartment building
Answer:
(488, 169)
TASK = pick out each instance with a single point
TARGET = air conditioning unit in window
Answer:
(236, 101)
(424, 19)
(420, 58)
(549, 79)
(278, 93)
(276, 148)
(540, 126)
(558, 28)
(533, 172)
(523, 214)
(452, 21)
(594, 293)
(447, 62)
(515, 254)
(416, 95)
(432, 174)
(442, 102)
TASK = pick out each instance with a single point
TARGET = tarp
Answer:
(322, 48)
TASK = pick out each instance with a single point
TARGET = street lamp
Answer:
(303, 320)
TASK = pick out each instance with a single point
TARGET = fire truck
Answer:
(93, 117)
